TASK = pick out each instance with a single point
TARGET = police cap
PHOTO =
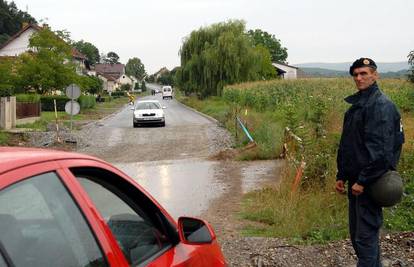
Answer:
(362, 62)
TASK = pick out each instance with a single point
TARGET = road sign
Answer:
(72, 107)
(73, 91)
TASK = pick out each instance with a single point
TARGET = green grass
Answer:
(115, 103)
(401, 216)
(266, 130)
(38, 125)
(99, 111)
(4, 137)
(302, 217)
(213, 106)
(47, 117)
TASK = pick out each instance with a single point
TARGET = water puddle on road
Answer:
(186, 187)
(182, 187)
(257, 174)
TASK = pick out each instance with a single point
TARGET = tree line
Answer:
(134, 67)
(49, 65)
(11, 20)
(225, 53)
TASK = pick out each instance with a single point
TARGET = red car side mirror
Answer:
(195, 231)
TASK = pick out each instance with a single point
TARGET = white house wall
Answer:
(111, 86)
(124, 79)
(291, 73)
(18, 45)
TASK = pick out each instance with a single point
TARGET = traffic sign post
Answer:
(72, 107)
(73, 91)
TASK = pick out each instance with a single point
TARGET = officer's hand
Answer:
(340, 186)
(357, 189)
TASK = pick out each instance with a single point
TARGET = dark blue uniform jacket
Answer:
(371, 139)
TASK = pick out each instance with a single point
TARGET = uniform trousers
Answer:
(365, 220)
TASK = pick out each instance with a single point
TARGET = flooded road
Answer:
(182, 187)
(189, 187)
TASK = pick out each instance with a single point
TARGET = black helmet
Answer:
(387, 190)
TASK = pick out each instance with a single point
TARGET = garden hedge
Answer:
(87, 101)
(48, 105)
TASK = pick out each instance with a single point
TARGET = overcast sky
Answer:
(312, 30)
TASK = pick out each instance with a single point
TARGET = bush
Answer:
(117, 94)
(87, 101)
(28, 98)
(48, 104)
(104, 99)
(90, 84)
(6, 92)
(126, 87)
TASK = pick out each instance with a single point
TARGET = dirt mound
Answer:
(228, 154)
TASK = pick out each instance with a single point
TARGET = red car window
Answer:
(40, 225)
(140, 229)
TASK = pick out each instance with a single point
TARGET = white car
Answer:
(167, 92)
(148, 112)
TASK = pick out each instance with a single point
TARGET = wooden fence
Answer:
(26, 110)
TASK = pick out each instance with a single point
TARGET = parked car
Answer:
(167, 92)
(67, 209)
(148, 112)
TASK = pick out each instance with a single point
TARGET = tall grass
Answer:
(314, 217)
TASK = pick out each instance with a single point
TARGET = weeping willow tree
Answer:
(221, 54)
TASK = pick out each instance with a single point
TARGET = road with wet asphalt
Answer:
(173, 162)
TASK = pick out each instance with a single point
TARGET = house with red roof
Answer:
(113, 72)
(19, 44)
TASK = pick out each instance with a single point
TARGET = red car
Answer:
(67, 209)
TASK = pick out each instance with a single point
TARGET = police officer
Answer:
(370, 145)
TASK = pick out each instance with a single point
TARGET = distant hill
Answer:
(383, 67)
(320, 72)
